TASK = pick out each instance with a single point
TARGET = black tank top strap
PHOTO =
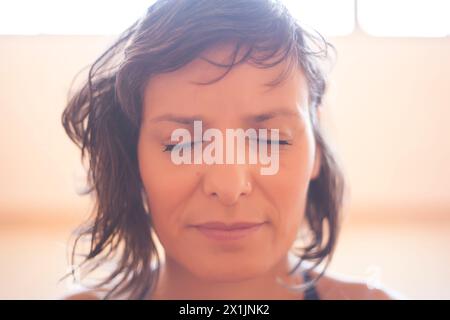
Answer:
(311, 292)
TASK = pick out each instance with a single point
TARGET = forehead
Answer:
(243, 89)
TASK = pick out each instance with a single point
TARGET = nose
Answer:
(227, 183)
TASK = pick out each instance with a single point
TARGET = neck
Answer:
(176, 282)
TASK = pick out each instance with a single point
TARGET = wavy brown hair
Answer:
(103, 118)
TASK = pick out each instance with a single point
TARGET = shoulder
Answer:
(338, 287)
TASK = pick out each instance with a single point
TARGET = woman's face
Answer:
(182, 198)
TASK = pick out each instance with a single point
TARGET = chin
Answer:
(230, 272)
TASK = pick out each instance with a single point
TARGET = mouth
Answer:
(226, 232)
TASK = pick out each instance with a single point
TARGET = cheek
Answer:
(288, 189)
(167, 187)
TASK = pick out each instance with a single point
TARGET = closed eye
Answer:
(281, 142)
(169, 147)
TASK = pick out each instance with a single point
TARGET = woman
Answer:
(227, 230)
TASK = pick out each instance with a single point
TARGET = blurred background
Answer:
(387, 113)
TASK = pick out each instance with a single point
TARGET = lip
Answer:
(225, 232)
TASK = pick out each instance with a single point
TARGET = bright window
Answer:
(405, 18)
(32, 17)
(329, 17)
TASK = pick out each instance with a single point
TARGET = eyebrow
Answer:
(282, 112)
(187, 120)
(261, 117)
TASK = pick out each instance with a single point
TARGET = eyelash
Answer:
(169, 147)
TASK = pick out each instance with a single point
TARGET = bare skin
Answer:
(328, 288)
(179, 196)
